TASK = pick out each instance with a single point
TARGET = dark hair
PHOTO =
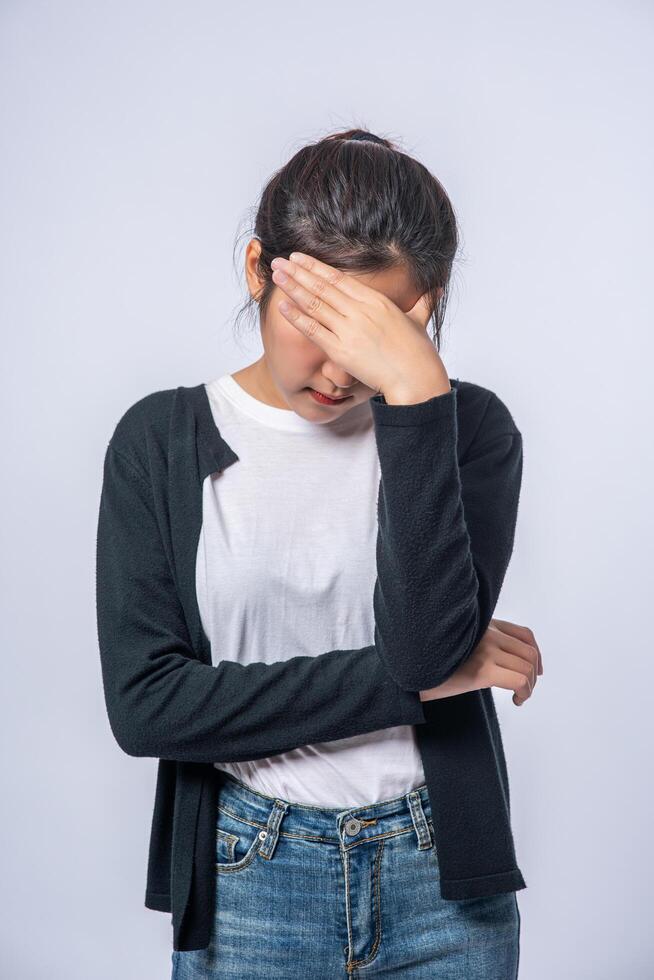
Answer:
(357, 202)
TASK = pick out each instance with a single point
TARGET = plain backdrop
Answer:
(136, 139)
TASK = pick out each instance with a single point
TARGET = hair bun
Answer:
(361, 134)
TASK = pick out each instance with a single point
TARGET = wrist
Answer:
(444, 690)
(416, 392)
(417, 383)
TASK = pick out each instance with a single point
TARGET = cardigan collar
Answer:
(213, 452)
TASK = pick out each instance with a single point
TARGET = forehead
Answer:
(394, 283)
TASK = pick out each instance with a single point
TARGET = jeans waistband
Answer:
(402, 814)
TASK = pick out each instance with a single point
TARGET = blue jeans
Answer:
(315, 893)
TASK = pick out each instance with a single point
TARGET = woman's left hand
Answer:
(507, 656)
(362, 330)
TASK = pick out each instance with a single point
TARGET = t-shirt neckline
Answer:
(270, 415)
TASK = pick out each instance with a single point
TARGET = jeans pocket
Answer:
(237, 842)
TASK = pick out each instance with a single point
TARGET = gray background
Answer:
(136, 139)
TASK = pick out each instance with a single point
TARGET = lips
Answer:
(326, 399)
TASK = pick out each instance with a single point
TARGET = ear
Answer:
(254, 281)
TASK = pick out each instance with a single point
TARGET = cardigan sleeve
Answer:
(445, 533)
(164, 703)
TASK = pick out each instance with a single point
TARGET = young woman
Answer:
(297, 566)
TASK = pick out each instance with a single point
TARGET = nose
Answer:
(338, 377)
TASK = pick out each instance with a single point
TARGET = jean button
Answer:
(352, 826)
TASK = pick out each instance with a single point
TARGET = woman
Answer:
(297, 567)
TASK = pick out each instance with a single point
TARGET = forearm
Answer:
(234, 713)
(445, 534)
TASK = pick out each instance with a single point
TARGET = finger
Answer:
(349, 285)
(519, 648)
(519, 666)
(510, 680)
(522, 633)
(325, 287)
(421, 311)
(310, 327)
(309, 302)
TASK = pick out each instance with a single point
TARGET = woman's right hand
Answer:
(507, 656)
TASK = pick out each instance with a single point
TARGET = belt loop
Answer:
(419, 820)
(275, 818)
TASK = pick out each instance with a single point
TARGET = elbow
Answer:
(421, 666)
(136, 749)
(129, 738)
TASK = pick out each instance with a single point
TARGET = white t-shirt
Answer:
(286, 566)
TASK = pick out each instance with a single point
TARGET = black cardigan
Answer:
(451, 471)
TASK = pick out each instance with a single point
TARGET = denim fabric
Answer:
(313, 893)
